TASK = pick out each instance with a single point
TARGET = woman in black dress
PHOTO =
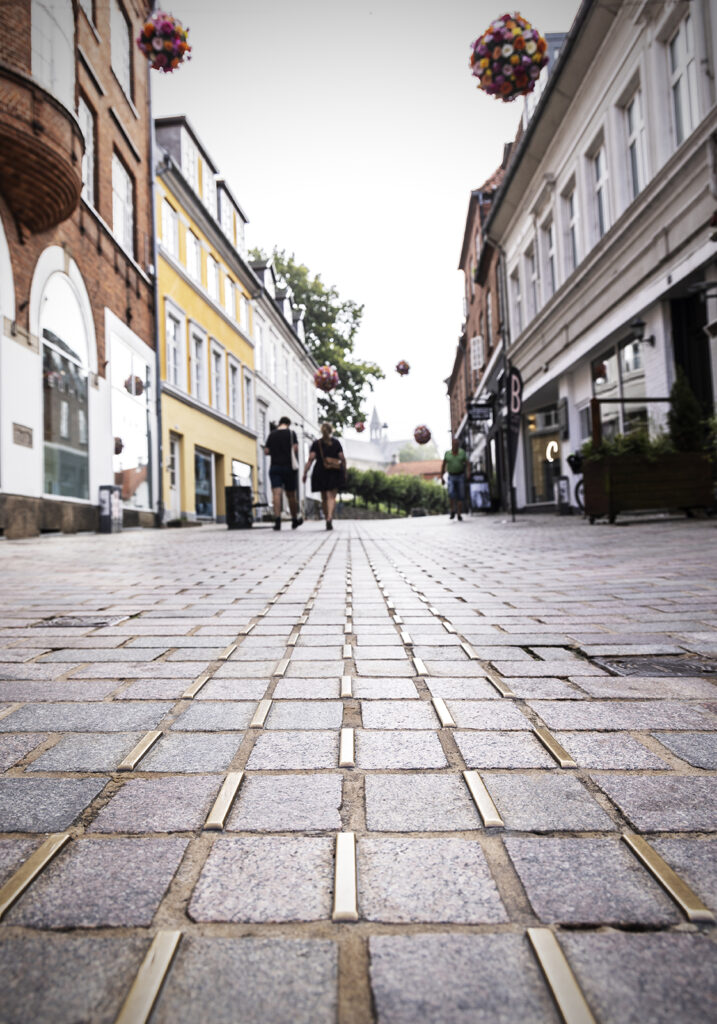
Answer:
(329, 472)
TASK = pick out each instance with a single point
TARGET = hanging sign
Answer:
(515, 405)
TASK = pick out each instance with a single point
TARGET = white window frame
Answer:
(550, 258)
(170, 229)
(176, 358)
(194, 261)
(600, 178)
(209, 188)
(636, 150)
(198, 363)
(532, 276)
(572, 228)
(52, 45)
(122, 205)
(230, 303)
(212, 278)
(121, 47)
(516, 295)
(477, 356)
(217, 361)
(227, 215)
(190, 159)
(249, 399)
(234, 389)
(88, 124)
(489, 319)
(682, 72)
(241, 234)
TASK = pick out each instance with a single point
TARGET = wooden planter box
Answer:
(629, 482)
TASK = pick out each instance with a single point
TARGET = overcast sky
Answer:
(352, 135)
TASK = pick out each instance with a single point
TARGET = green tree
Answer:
(685, 416)
(331, 325)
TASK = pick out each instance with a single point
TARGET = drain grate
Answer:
(662, 665)
(86, 622)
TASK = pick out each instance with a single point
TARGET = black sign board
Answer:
(515, 404)
(480, 413)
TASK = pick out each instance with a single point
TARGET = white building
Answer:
(605, 222)
(284, 373)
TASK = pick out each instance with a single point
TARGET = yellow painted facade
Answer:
(207, 365)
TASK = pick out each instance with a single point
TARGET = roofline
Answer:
(182, 119)
(222, 183)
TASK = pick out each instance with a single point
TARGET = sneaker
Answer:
(460, 518)
(296, 523)
(329, 525)
(277, 523)
(452, 515)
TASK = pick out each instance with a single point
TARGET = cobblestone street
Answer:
(408, 771)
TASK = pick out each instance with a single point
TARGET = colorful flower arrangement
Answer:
(422, 435)
(135, 385)
(163, 41)
(359, 427)
(402, 368)
(326, 378)
(508, 58)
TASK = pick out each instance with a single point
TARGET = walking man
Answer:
(455, 462)
(283, 447)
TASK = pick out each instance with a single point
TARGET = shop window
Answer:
(618, 378)
(129, 375)
(203, 484)
(65, 391)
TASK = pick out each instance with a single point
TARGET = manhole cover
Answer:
(87, 621)
(664, 665)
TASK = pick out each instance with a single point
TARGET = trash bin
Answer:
(239, 510)
(110, 509)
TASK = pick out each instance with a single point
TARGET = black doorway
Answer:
(691, 347)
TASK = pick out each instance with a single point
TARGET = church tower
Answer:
(375, 426)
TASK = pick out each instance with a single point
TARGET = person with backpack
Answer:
(283, 448)
(329, 473)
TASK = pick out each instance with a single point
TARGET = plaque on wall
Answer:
(22, 435)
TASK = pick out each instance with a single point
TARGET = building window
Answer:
(285, 370)
(571, 231)
(635, 131)
(122, 205)
(227, 215)
(249, 400)
(213, 278)
(272, 359)
(683, 80)
(489, 320)
(218, 378)
(234, 391)
(600, 181)
(209, 189)
(174, 351)
(170, 229)
(550, 276)
(194, 257)
(229, 298)
(618, 377)
(121, 47)
(190, 160)
(531, 265)
(86, 117)
(477, 357)
(243, 312)
(88, 7)
(199, 381)
(203, 484)
(517, 300)
(53, 48)
(241, 236)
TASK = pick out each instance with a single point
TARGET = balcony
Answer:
(41, 148)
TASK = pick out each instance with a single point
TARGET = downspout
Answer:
(159, 516)
(505, 339)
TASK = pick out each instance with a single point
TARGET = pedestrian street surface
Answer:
(408, 771)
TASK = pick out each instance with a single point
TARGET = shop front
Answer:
(543, 449)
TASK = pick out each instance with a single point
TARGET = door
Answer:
(691, 347)
(175, 501)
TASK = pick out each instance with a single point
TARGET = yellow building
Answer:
(205, 290)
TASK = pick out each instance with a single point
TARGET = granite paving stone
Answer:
(96, 717)
(37, 673)
(265, 878)
(14, 853)
(622, 983)
(462, 689)
(663, 803)
(468, 670)
(398, 714)
(252, 980)
(376, 688)
(44, 805)
(502, 750)
(86, 752)
(96, 884)
(247, 669)
(192, 752)
(697, 748)
(384, 668)
(304, 714)
(565, 883)
(178, 804)
(548, 668)
(233, 689)
(67, 689)
(399, 749)
(216, 716)
(501, 653)
(608, 750)
(545, 688)
(121, 670)
(314, 670)
(295, 750)
(606, 714)
(316, 653)
(492, 714)
(695, 861)
(649, 687)
(101, 654)
(287, 803)
(154, 689)
(426, 880)
(419, 803)
(545, 802)
(307, 689)
(457, 979)
(14, 748)
(39, 976)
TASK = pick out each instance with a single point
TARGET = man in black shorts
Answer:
(281, 445)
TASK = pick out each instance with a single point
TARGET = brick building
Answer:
(77, 349)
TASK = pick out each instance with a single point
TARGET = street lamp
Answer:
(638, 332)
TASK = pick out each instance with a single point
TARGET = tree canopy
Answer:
(331, 325)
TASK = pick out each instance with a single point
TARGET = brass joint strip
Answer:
(346, 749)
(228, 651)
(499, 683)
(137, 753)
(149, 979)
(448, 627)
(28, 872)
(345, 896)
(196, 686)
(222, 804)
(446, 718)
(260, 714)
(282, 667)
(348, 627)
(560, 978)
(406, 638)
(687, 900)
(247, 630)
(483, 800)
(467, 649)
(291, 642)
(397, 618)
(348, 652)
(420, 668)
(346, 690)
(557, 752)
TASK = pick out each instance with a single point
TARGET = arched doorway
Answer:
(65, 368)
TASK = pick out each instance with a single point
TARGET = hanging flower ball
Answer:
(508, 58)
(402, 368)
(359, 427)
(163, 41)
(119, 446)
(326, 378)
(422, 435)
(135, 385)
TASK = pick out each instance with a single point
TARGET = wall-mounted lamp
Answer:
(638, 332)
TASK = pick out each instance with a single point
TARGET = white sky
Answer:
(352, 135)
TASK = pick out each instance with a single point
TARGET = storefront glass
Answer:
(204, 484)
(619, 374)
(129, 376)
(544, 447)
